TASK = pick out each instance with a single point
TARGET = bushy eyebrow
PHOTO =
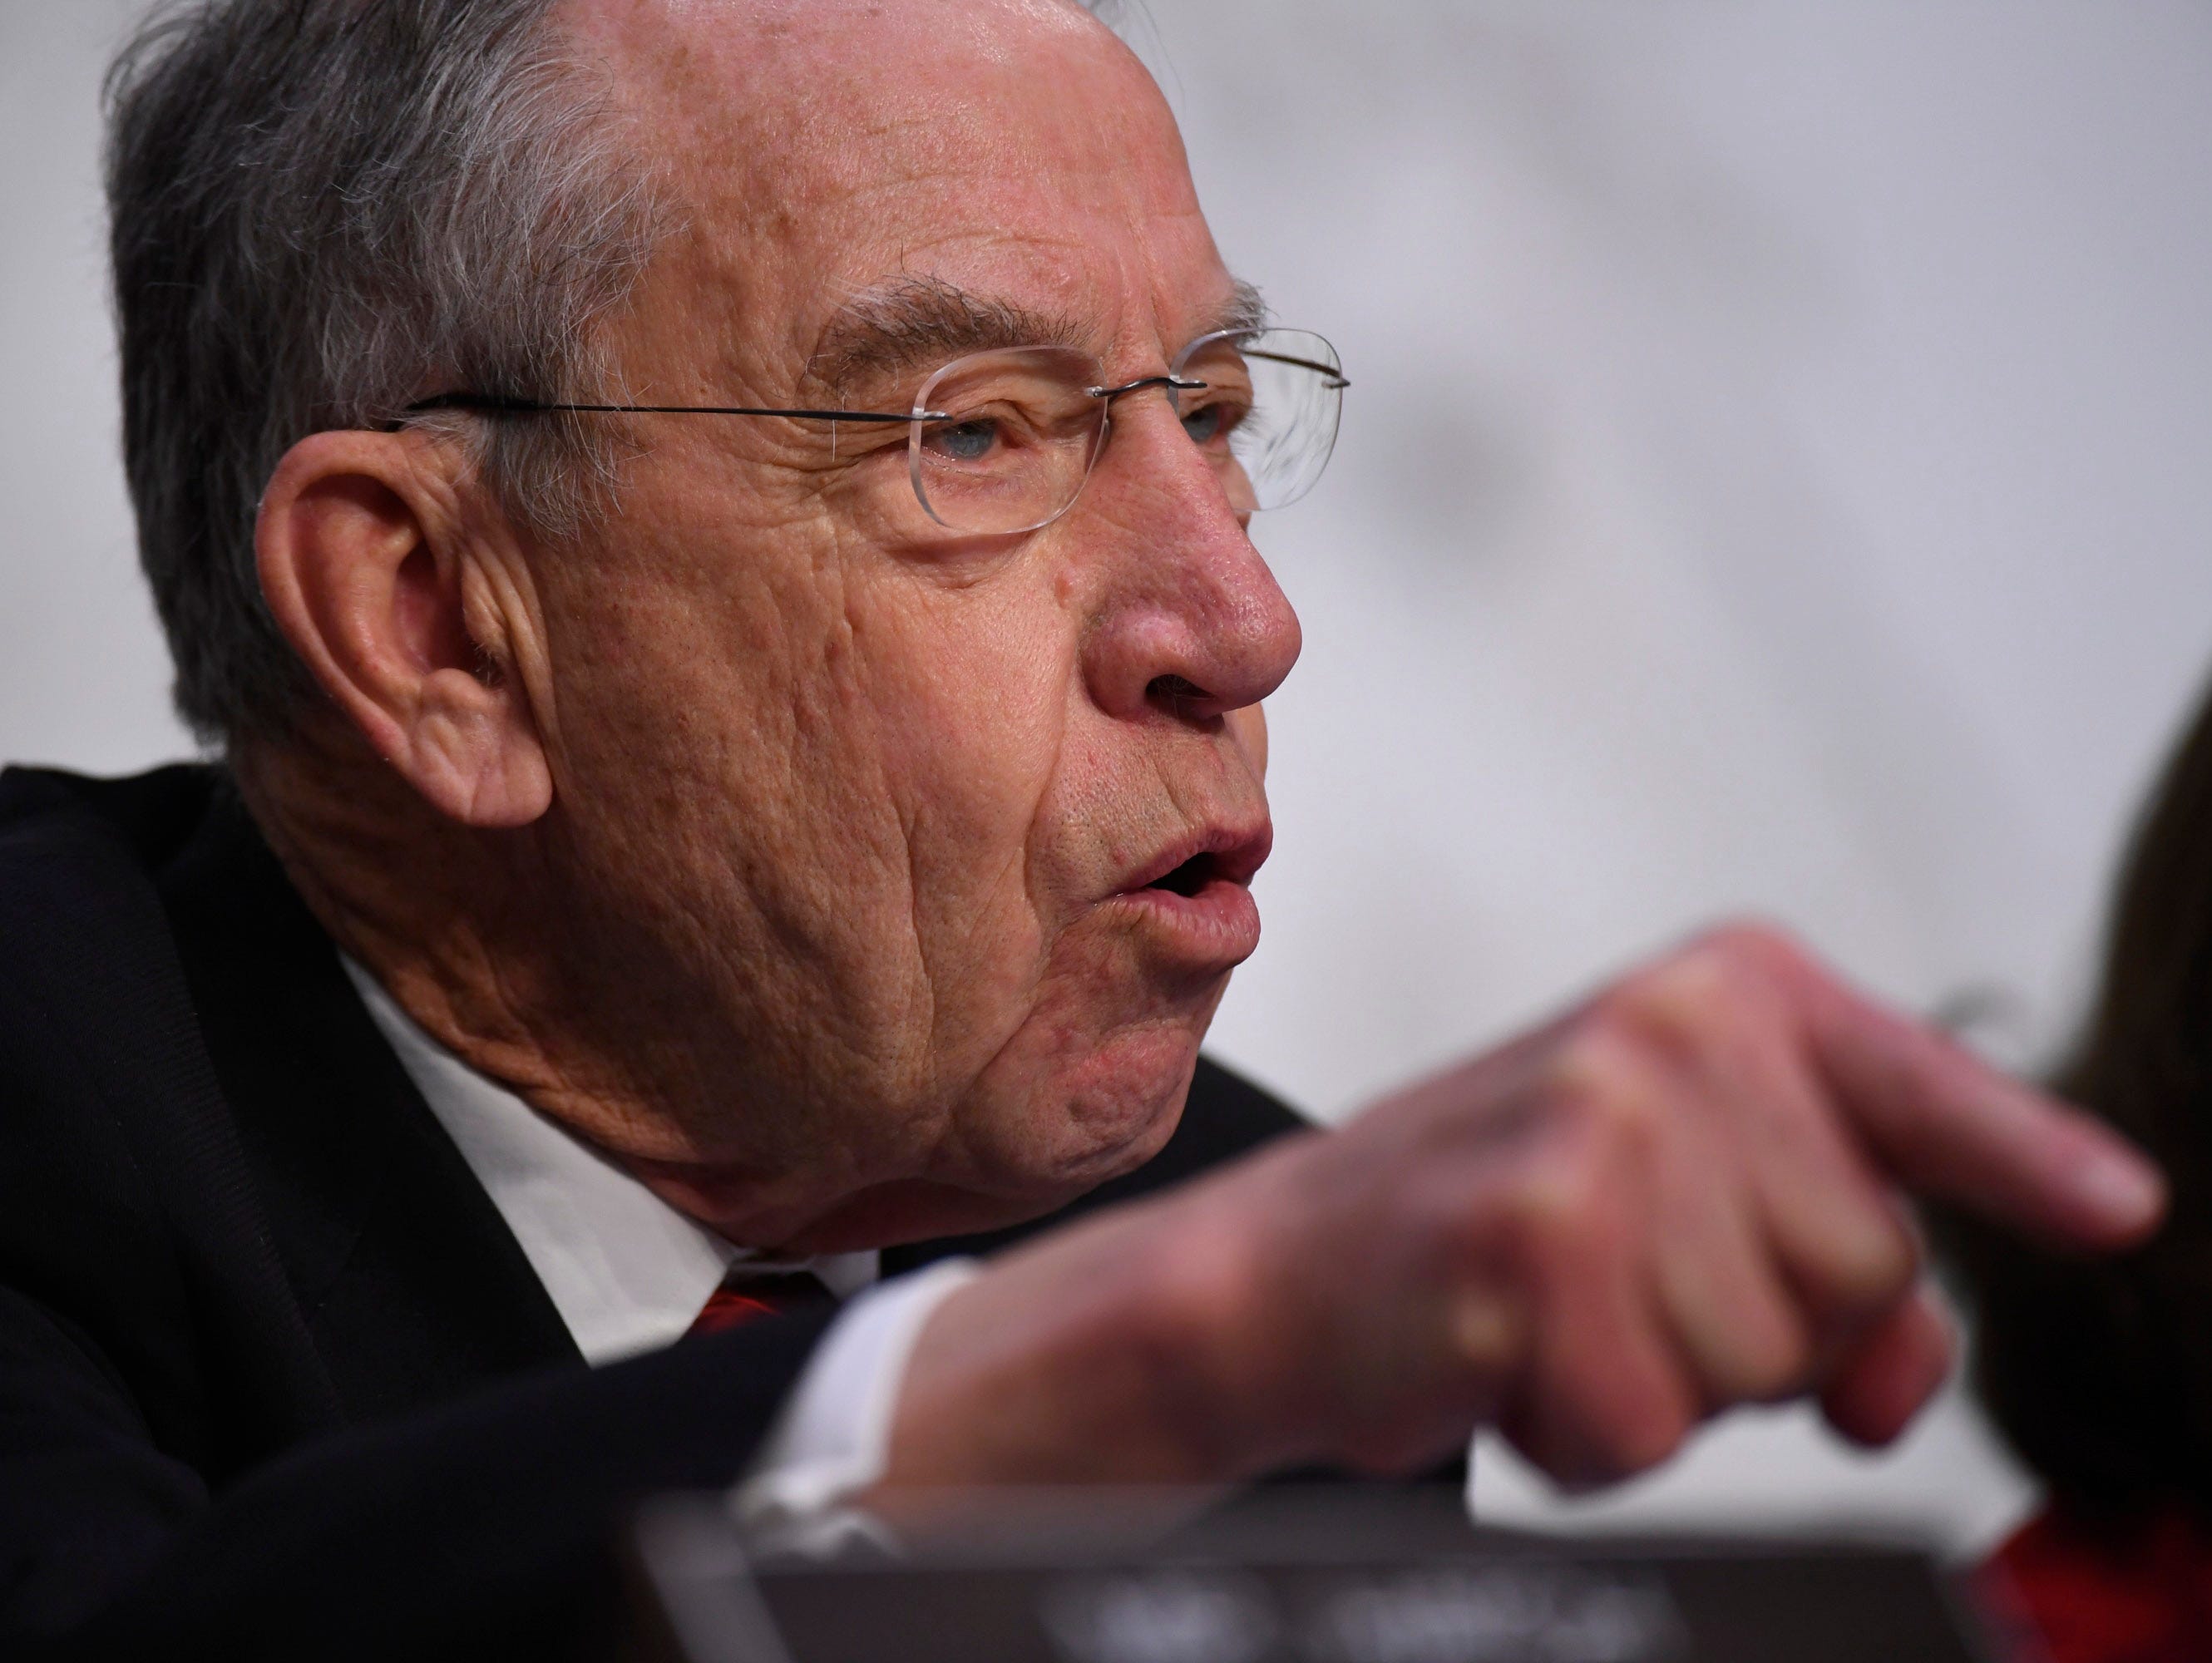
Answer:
(1247, 309)
(920, 323)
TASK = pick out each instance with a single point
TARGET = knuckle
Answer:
(1594, 1058)
(1604, 1076)
(1722, 1002)
(1686, 1006)
(1758, 947)
(1667, 1006)
(1877, 1268)
(1553, 1212)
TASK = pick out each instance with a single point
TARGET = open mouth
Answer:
(1230, 859)
(1211, 923)
(1187, 879)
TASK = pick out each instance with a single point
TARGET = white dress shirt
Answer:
(629, 1273)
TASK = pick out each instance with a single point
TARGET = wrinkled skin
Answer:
(877, 791)
(837, 814)
(795, 859)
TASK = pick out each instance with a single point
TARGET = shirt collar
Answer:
(627, 1271)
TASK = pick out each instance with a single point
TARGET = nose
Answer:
(1188, 622)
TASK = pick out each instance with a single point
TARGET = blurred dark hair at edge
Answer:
(2100, 1373)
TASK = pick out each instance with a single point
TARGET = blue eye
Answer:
(966, 441)
(1206, 424)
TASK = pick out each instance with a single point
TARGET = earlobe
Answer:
(464, 756)
(367, 567)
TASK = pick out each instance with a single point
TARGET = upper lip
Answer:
(1237, 852)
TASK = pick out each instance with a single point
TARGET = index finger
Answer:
(1949, 1126)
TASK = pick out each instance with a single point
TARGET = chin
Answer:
(1034, 1140)
(1091, 1109)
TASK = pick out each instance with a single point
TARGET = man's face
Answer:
(863, 818)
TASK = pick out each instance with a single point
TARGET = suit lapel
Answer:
(411, 1286)
(211, 1343)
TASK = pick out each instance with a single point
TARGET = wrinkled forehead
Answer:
(821, 150)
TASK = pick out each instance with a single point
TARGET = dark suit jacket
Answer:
(274, 1376)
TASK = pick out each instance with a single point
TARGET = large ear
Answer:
(407, 618)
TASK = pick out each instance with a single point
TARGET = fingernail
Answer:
(2128, 1192)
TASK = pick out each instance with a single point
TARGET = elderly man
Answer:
(713, 538)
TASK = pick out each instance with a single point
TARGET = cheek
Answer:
(724, 762)
(975, 701)
(710, 669)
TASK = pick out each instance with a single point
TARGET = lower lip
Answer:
(1218, 926)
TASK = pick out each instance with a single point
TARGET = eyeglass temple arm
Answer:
(1335, 376)
(494, 404)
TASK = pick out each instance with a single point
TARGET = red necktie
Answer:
(748, 1293)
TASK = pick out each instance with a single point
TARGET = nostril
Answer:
(1173, 689)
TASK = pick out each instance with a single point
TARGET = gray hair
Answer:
(323, 210)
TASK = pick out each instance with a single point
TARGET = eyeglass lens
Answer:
(1013, 435)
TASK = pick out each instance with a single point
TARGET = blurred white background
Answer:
(1777, 478)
